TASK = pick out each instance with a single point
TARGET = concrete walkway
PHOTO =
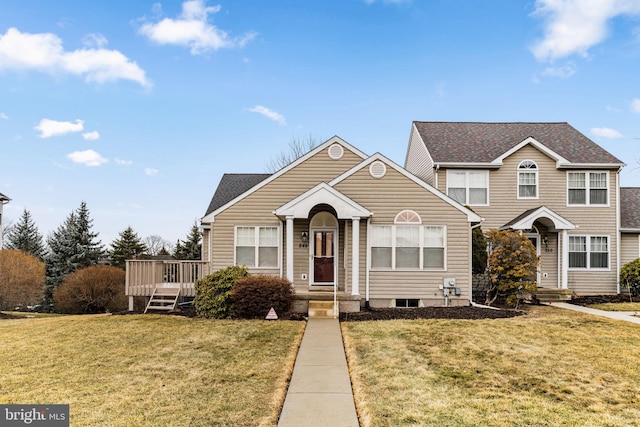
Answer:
(320, 391)
(627, 316)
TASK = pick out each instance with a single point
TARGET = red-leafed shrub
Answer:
(95, 289)
(253, 296)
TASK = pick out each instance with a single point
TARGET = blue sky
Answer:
(138, 108)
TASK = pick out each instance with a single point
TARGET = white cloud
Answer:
(606, 132)
(3, 116)
(87, 158)
(91, 136)
(151, 171)
(49, 128)
(635, 105)
(564, 71)
(574, 26)
(44, 52)
(193, 30)
(94, 40)
(276, 117)
(123, 162)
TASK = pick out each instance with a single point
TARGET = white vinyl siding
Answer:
(589, 252)
(588, 188)
(468, 187)
(257, 246)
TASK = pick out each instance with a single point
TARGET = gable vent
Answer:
(336, 151)
(377, 169)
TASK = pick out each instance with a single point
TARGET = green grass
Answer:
(150, 370)
(552, 367)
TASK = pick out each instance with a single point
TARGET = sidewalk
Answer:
(627, 316)
(320, 390)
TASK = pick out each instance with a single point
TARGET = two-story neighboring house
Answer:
(545, 179)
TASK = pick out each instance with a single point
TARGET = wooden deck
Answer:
(144, 276)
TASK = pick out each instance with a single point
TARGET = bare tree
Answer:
(297, 148)
(156, 245)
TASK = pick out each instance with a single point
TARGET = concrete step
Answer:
(553, 295)
(323, 309)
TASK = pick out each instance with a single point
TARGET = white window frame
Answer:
(257, 246)
(467, 184)
(588, 240)
(587, 188)
(421, 247)
(528, 167)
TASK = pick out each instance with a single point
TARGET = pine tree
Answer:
(127, 246)
(25, 237)
(71, 247)
(191, 248)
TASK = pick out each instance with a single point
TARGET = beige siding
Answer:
(552, 192)
(629, 247)
(419, 161)
(388, 196)
(257, 208)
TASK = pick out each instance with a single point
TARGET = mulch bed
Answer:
(600, 299)
(9, 316)
(469, 313)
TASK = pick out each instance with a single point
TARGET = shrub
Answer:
(96, 289)
(253, 296)
(630, 277)
(512, 266)
(22, 277)
(213, 292)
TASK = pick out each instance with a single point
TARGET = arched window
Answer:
(527, 180)
(408, 217)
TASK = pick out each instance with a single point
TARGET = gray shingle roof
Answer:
(232, 185)
(475, 142)
(630, 207)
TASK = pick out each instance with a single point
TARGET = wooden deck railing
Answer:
(143, 276)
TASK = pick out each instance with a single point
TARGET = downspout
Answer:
(435, 181)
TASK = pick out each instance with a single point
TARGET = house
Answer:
(629, 224)
(546, 180)
(3, 200)
(340, 225)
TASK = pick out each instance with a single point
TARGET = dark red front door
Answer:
(323, 257)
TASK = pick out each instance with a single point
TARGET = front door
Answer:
(323, 257)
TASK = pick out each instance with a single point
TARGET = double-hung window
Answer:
(527, 180)
(407, 244)
(589, 252)
(587, 188)
(257, 246)
(468, 187)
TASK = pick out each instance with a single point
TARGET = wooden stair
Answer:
(163, 299)
(323, 309)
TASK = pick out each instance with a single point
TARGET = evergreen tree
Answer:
(25, 237)
(71, 247)
(127, 246)
(191, 248)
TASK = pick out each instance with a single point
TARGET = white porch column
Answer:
(290, 249)
(355, 256)
(565, 260)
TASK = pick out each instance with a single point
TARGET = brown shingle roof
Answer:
(630, 207)
(231, 186)
(474, 142)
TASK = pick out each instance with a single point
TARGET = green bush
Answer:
(96, 289)
(213, 292)
(253, 296)
(630, 277)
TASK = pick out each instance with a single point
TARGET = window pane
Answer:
(527, 191)
(527, 178)
(407, 257)
(381, 236)
(599, 244)
(477, 179)
(598, 197)
(434, 237)
(577, 197)
(599, 260)
(577, 180)
(577, 244)
(459, 195)
(245, 236)
(381, 257)
(477, 196)
(578, 259)
(268, 257)
(456, 179)
(433, 258)
(268, 236)
(245, 255)
(407, 236)
(598, 180)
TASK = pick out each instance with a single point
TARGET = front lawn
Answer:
(150, 370)
(617, 306)
(551, 367)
